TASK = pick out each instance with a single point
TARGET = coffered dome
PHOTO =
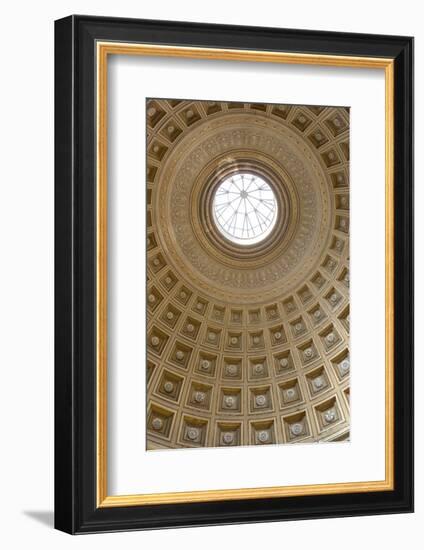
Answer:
(248, 273)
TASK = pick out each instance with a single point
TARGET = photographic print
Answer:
(247, 273)
(207, 208)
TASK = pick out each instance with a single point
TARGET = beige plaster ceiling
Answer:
(247, 345)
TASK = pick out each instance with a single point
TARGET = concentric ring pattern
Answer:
(247, 344)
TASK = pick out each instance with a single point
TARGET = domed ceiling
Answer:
(248, 274)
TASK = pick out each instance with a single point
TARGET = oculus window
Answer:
(245, 208)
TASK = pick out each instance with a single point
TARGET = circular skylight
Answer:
(245, 208)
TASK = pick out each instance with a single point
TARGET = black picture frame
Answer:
(76, 509)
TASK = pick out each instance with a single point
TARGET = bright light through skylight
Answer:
(245, 208)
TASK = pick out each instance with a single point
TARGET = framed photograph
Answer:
(234, 269)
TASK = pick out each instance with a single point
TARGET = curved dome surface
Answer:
(248, 342)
